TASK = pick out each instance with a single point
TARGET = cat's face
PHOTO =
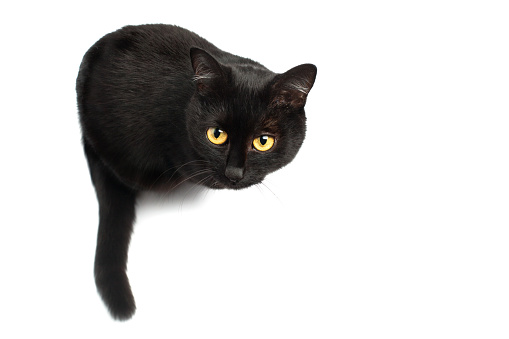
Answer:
(244, 129)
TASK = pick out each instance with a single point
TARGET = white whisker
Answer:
(272, 193)
(259, 189)
(195, 174)
(197, 184)
(179, 168)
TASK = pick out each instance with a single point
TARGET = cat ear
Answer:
(291, 88)
(208, 73)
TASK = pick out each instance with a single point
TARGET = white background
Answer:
(392, 222)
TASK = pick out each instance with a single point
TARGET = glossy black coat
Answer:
(146, 98)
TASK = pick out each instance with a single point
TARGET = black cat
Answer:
(158, 106)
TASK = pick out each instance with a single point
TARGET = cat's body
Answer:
(159, 106)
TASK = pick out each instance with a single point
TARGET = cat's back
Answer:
(154, 42)
(139, 56)
(148, 41)
(136, 76)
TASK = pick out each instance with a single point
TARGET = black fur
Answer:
(146, 97)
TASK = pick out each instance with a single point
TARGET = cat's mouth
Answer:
(221, 180)
(228, 184)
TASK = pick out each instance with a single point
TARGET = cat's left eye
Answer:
(263, 143)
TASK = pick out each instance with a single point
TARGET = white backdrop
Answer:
(392, 222)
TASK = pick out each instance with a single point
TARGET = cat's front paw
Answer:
(114, 288)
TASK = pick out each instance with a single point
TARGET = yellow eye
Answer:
(263, 143)
(216, 136)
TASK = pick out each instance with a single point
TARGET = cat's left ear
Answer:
(208, 73)
(291, 88)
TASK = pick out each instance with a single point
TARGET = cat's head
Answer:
(246, 121)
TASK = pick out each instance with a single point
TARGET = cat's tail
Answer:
(113, 286)
(116, 218)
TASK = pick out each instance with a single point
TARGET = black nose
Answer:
(235, 174)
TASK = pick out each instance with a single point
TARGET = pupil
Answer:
(263, 140)
(217, 133)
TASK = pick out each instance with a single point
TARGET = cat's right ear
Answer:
(208, 73)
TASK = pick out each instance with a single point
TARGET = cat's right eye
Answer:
(216, 136)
